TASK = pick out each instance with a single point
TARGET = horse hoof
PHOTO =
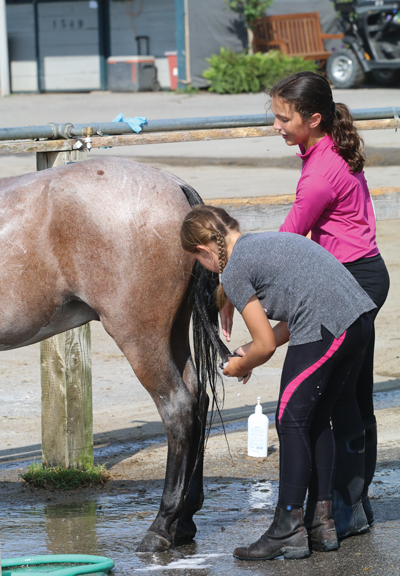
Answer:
(153, 543)
(183, 531)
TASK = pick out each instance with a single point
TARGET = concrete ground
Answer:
(124, 415)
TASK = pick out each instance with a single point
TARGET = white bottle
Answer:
(257, 439)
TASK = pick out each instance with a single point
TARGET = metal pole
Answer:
(104, 41)
(4, 63)
(67, 130)
(37, 47)
(187, 44)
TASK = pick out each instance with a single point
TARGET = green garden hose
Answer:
(45, 564)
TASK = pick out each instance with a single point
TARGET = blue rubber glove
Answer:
(134, 123)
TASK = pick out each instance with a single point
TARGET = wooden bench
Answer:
(292, 34)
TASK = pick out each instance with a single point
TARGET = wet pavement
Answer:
(111, 521)
(235, 512)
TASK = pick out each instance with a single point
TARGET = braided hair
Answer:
(205, 224)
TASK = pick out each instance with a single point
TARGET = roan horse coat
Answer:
(99, 240)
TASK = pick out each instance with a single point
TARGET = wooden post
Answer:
(66, 377)
(46, 160)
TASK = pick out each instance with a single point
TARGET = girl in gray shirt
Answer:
(324, 315)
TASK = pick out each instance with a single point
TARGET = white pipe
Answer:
(187, 43)
(4, 64)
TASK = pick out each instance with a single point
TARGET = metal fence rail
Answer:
(54, 131)
(68, 138)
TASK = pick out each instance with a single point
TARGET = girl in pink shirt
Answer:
(334, 205)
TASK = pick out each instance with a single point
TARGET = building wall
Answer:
(69, 45)
(69, 51)
(21, 44)
(212, 26)
(155, 19)
(69, 37)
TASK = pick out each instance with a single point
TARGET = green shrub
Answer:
(58, 478)
(251, 9)
(233, 73)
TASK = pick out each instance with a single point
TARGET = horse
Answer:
(99, 240)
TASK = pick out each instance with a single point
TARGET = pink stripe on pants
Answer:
(291, 387)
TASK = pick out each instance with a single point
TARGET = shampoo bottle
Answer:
(257, 439)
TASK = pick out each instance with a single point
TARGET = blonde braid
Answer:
(221, 296)
(204, 224)
(220, 238)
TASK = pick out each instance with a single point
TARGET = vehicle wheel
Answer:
(387, 77)
(344, 70)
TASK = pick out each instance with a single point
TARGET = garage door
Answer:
(69, 45)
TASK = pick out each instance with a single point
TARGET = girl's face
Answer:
(208, 256)
(291, 126)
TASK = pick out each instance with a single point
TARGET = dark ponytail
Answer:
(348, 144)
(310, 93)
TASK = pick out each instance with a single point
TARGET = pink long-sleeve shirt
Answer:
(334, 204)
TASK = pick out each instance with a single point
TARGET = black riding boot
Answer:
(286, 536)
(349, 519)
(347, 509)
(371, 441)
(320, 526)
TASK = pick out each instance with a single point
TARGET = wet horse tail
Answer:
(207, 343)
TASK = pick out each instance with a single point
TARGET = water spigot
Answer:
(88, 140)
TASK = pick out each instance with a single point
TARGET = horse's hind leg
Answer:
(154, 365)
(180, 415)
(184, 529)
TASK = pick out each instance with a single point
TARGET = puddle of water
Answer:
(389, 399)
(194, 562)
(236, 512)
(385, 484)
(114, 526)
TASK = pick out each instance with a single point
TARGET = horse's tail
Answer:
(206, 340)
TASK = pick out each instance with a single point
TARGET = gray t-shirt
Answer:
(297, 281)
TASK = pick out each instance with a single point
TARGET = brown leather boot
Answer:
(286, 537)
(320, 526)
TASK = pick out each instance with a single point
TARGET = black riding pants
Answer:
(313, 376)
(356, 449)
(373, 277)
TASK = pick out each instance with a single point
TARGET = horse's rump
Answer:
(88, 240)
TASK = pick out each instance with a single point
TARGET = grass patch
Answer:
(188, 89)
(58, 478)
